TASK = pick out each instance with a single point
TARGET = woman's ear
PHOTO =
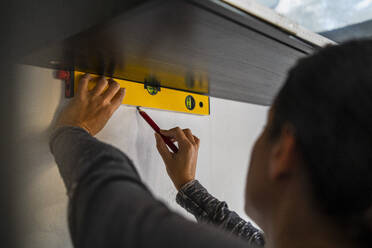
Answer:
(283, 153)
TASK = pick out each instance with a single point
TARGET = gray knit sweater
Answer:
(109, 206)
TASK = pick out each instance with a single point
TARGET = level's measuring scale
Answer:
(157, 97)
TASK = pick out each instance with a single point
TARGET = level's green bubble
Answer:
(190, 102)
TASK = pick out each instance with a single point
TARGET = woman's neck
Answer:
(295, 223)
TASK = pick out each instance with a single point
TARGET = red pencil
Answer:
(156, 128)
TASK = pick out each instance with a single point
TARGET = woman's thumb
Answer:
(162, 148)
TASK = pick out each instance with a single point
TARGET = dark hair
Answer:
(327, 98)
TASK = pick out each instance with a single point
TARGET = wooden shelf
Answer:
(198, 46)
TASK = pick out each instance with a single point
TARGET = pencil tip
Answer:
(138, 108)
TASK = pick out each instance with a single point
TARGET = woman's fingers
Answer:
(100, 86)
(189, 135)
(83, 85)
(197, 141)
(163, 149)
(172, 135)
(111, 91)
(175, 133)
(118, 98)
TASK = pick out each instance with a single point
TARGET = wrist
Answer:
(86, 128)
(179, 186)
(73, 124)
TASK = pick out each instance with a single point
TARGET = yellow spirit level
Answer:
(157, 97)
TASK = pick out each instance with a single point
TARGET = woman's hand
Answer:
(92, 109)
(181, 166)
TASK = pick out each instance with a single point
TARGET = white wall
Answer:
(227, 136)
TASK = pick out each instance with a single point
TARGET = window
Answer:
(338, 20)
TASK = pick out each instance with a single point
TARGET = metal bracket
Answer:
(68, 77)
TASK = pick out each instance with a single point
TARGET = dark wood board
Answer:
(37, 24)
(194, 46)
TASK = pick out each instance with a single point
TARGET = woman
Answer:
(309, 183)
(319, 131)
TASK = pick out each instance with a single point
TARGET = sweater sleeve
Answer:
(206, 208)
(109, 206)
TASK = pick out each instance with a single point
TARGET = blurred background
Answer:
(338, 20)
(33, 199)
